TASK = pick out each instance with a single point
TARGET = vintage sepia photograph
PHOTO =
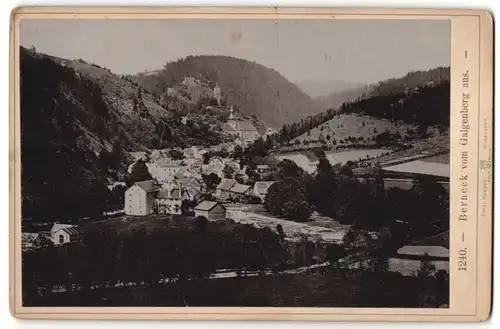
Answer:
(235, 162)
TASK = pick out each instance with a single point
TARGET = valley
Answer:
(230, 165)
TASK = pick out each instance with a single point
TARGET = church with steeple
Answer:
(242, 129)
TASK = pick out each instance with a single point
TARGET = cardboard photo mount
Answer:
(471, 53)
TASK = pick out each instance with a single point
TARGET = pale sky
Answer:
(361, 51)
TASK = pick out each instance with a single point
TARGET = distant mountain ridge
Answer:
(387, 87)
(252, 88)
(411, 80)
(419, 97)
(321, 88)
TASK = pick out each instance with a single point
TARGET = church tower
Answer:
(217, 93)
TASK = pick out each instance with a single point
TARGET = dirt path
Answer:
(220, 274)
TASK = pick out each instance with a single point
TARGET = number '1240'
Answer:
(462, 259)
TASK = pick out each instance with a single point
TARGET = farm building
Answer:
(231, 188)
(140, 198)
(63, 233)
(211, 210)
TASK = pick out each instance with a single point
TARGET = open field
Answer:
(320, 228)
(127, 223)
(352, 125)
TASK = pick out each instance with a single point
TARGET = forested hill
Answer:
(427, 105)
(419, 98)
(253, 88)
(410, 81)
(78, 121)
(65, 124)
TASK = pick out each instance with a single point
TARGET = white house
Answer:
(165, 170)
(63, 233)
(140, 198)
(211, 210)
(215, 166)
(169, 199)
(260, 188)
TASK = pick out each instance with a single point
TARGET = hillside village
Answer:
(320, 195)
